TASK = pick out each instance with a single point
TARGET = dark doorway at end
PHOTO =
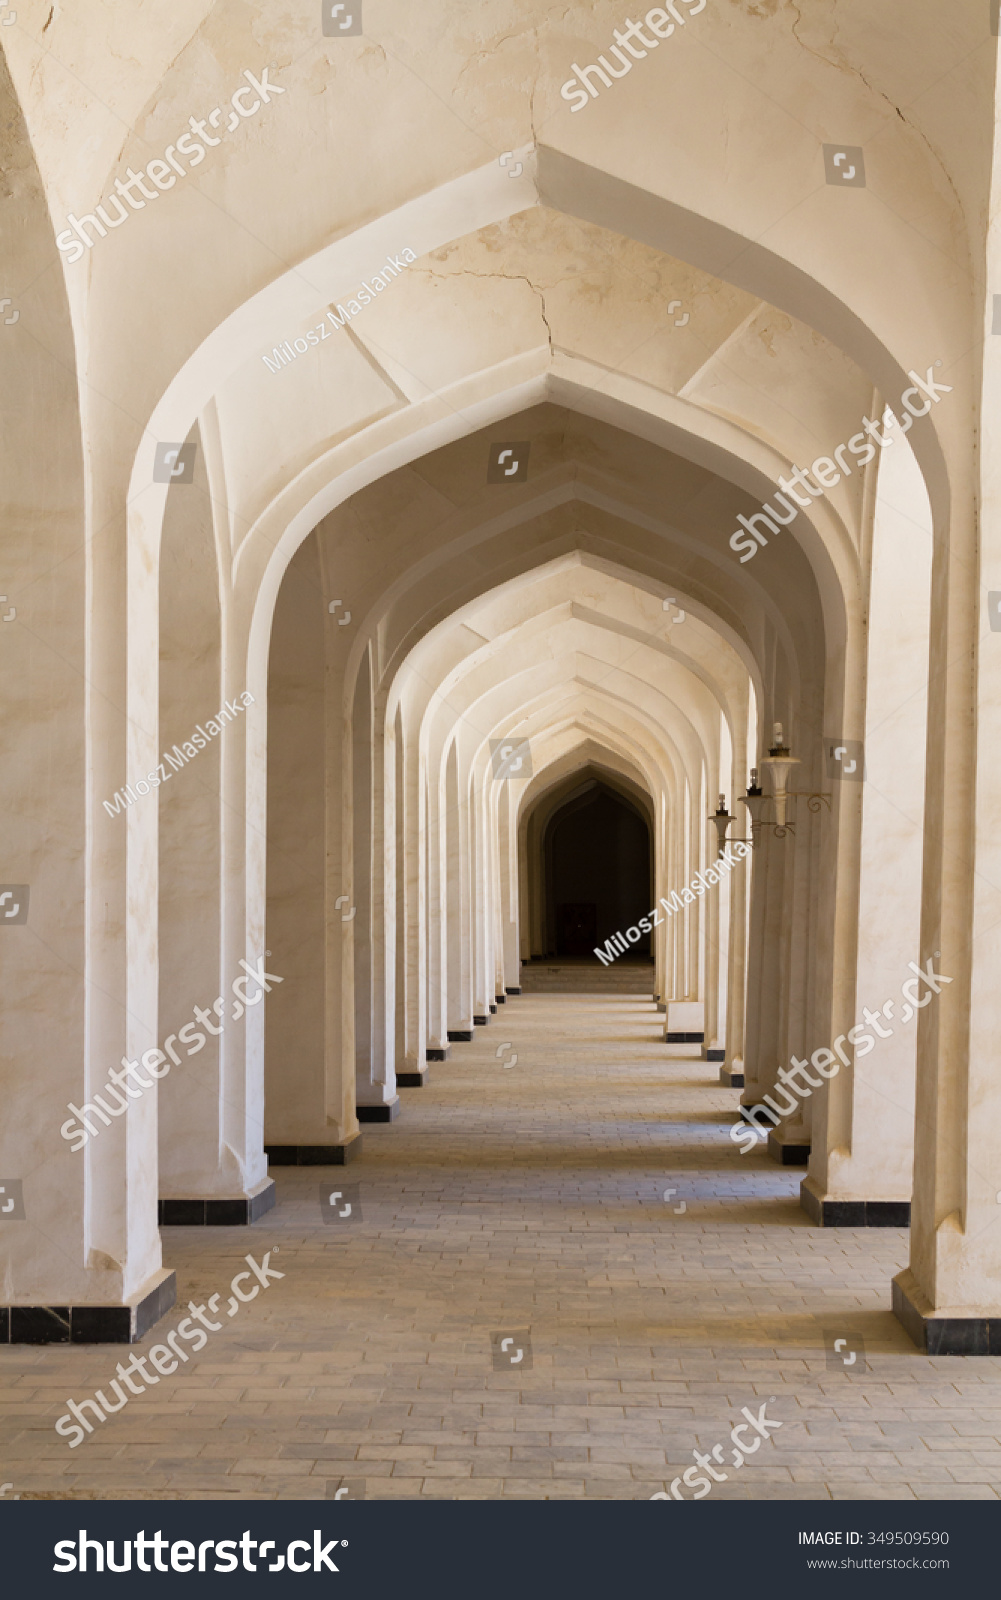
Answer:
(599, 871)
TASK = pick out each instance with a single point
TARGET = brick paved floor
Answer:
(530, 1198)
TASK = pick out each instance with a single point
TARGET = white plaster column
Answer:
(383, 965)
(711, 940)
(767, 962)
(510, 903)
(79, 965)
(949, 1297)
(738, 882)
(863, 1128)
(459, 999)
(805, 971)
(211, 1111)
(309, 1021)
(375, 1080)
(437, 922)
(690, 968)
(480, 902)
(674, 937)
(412, 879)
(659, 889)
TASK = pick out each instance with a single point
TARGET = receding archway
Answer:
(598, 865)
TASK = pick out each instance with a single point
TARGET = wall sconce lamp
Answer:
(722, 819)
(780, 763)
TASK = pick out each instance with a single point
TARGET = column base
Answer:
(412, 1078)
(436, 1053)
(684, 1038)
(826, 1213)
(180, 1213)
(731, 1080)
(478, 1022)
(313, 1155)
(460, 1035)
(788, 1153)
(938, 1333)
(512, 991)
(384, 1111)
(500, 999)
(714, 1053)
(125, 1324)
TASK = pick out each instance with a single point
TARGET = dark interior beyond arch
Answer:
(599, 871)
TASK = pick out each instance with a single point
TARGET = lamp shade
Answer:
(754, 799)
(780, 763)
(722, 819)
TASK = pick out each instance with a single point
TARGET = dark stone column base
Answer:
(412, 1078)
(500, 999)
(90, 1324)
(440, 1054)
(942, 1336)
(478, 1022)
(788, 1155)
(493, 1007)
(512, 991)
(461, 1035)
(217, 1213)
(313, 1155)
(684, 1038)
(731, 1080)
(387, 1111)
(714, 1053)
(853, 1213)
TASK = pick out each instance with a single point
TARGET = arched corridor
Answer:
(500, 682)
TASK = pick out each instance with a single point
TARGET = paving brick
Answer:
(532, 1200)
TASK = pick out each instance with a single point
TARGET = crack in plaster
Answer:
(508, 277)
(843, 64)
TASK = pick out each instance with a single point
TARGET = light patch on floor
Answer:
(530, 1198)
